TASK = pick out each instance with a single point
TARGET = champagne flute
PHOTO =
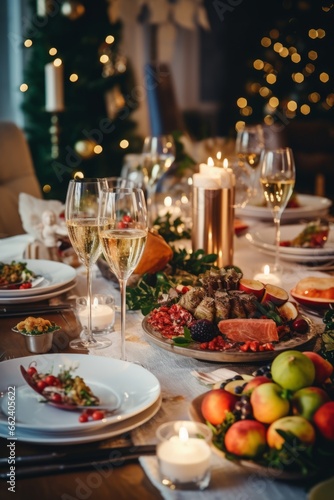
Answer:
(158, 155)
(81, 214)
(123, 234)
(277, 177)
(249, 146)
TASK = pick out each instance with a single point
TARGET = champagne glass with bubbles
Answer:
(81, 214)
(158, 155)
(123, 234)
(249, 145)
(277, 177)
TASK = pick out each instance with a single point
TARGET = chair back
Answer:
(17, 175)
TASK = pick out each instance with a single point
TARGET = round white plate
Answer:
(113, 381)
(99, 434)
(264, 238)
(39, 297)
(56, 274)
(311, 206)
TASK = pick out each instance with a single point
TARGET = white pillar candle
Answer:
(54, 88)
(102, 316)
(184, 460)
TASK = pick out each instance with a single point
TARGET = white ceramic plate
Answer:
(264, 238)
(311, 206)
(99, 434)
(56, 274)
(39, 297)
(113, 381)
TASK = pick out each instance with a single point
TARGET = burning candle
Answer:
(103, 312)
(54, 86)
(266, 276)
(184, 454)
(213, 177)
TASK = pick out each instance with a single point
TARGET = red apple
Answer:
(298, 425)
(258, 380)
(216, 403)
(246, 438)
(323, 420)
(252, 286)
(275, 294)
(307, 400)
(323, 368)
(269, 402)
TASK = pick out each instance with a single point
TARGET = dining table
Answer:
(138, 478)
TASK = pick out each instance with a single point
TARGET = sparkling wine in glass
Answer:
(249, 146)
(123, 234)
(157, 156)
(81, 214)
(277, 177)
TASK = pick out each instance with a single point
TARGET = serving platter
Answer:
(232, 355)
(310, 206)
(253, 467)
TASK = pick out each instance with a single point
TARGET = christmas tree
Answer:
(77, 93)
(289, 75)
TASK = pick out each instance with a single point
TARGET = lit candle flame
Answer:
(183, 434)
(225, 163)
(211, 163)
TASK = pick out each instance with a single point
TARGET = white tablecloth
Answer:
(179, 388)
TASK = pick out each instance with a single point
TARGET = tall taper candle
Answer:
(54, 87)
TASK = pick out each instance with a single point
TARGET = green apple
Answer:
(269, 402)
(293, 370)
(307, 400)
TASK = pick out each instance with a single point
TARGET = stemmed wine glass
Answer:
(249, 146)
(158, 155)
(277, 178)
(123, 234)
(81, 215)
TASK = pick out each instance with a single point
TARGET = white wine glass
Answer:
(81, 215)
(123, 233)
(249, 145)
(158, 155)
(277, 178)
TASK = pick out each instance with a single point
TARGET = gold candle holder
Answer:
(213, 222)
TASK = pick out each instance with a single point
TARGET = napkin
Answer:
(14, 247)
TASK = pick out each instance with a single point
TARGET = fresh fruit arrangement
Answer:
(226, 311)
(281, 417)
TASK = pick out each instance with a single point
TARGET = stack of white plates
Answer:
(130, 387)
(57, 277)
(264, 239)
(309, 207)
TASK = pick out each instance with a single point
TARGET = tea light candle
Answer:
(268, 277)
(183, 458)
(102, 315)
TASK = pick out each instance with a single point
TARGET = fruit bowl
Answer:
(269, 472)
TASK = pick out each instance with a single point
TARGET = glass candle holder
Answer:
(103, 313)
(184, 454)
